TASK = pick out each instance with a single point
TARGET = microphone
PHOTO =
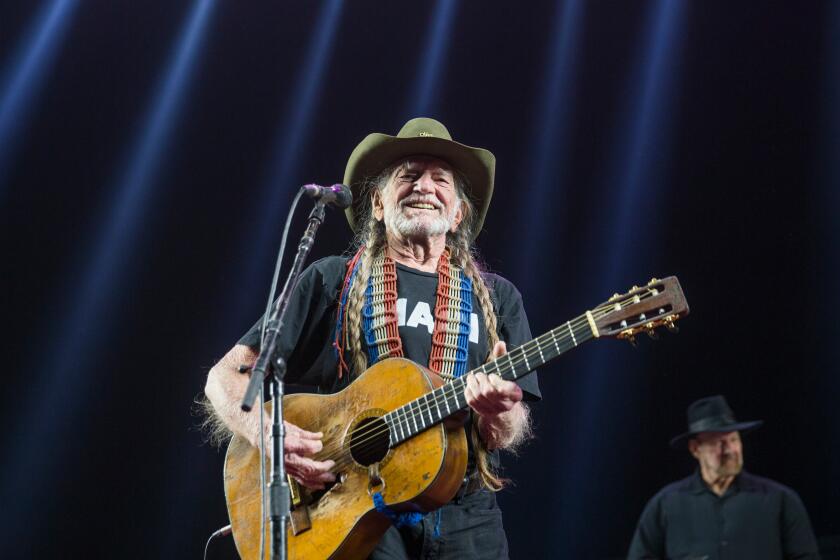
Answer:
(337, 195)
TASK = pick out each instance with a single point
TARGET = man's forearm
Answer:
(225, 389)
(507, 430)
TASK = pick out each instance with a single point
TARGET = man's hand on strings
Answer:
(502, 418)
(299, 446)
(490, 395)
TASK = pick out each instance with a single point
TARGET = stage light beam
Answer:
(67, 372)
(438, 39)
(551, 129)
(27, 71)
(633, 175)
(645, 140)
(293, 133)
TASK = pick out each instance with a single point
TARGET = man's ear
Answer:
(459, 215)
(377, 206)
(693, 444)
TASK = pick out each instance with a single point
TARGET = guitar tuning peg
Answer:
(652, 334)
(632, 341)
(634, 288)
(653, 281)
(614, 297)
(672, 327)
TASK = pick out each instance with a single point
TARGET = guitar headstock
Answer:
(658, 304)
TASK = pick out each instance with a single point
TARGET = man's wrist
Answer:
(505, 430)
(494, 429)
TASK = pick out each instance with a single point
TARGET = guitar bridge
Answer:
(299, 514)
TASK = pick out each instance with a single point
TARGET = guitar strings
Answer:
(364, 438)
(365, 434)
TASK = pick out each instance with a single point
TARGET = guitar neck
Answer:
(433, 407)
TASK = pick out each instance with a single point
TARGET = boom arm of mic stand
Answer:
(275, 323)
(278, 488)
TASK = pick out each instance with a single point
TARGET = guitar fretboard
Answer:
(428, 410)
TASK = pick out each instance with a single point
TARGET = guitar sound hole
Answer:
(369, 441)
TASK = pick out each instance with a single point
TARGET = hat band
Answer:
(711, 424)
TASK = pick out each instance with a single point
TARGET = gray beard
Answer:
(417, 227)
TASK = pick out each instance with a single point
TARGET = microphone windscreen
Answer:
(343, 196)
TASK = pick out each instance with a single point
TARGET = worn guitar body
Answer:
(420, 474)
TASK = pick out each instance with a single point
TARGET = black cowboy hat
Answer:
(421, 136)
(712, 414)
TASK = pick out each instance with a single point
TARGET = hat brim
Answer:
(743, 427)
(377, 151)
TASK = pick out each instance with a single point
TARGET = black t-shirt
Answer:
(308, 334)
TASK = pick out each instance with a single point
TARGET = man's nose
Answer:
(424, 184)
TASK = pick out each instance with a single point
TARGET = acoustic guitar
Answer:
(386, 435)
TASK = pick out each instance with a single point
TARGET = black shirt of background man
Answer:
(308, 334)
(755, 519)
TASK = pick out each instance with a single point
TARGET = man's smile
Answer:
(419, 205)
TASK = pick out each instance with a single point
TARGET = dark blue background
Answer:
(710, 154)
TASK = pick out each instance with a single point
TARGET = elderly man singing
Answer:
(421, 199)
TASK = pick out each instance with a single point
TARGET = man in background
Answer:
(722, 511)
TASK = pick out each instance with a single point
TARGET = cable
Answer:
(277, 266)
(279, 263)
(226, 530)
(207, 546)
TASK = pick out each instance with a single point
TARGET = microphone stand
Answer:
(278, 488)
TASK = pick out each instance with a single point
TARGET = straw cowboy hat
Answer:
(421, 136)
